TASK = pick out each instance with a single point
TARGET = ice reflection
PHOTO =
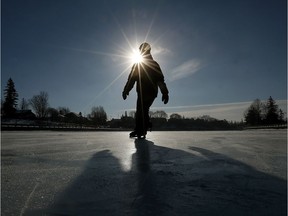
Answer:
(124, 157)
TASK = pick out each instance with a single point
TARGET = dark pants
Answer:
(142, 113)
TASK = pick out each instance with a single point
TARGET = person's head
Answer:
(145, 48)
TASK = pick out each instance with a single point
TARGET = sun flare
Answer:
(136, 57)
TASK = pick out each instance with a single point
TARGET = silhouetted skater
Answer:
(148, 76)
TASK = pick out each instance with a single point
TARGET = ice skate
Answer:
(139, 135)
(133, 134)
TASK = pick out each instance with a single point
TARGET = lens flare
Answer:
(136, 57)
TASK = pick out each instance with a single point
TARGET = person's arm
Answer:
(164, 91)
(130, 83)
(162, 85)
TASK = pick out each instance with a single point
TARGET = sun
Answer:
(136, 57)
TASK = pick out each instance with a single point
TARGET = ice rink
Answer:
(169, 173)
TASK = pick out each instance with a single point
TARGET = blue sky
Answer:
(214, 54)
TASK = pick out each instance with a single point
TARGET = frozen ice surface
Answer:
(169, 173)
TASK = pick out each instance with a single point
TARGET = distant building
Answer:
(25, 114)
(73, 117)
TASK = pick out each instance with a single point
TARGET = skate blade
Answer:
(138, 136)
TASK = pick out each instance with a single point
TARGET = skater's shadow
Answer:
(142, 156)
(166, 181)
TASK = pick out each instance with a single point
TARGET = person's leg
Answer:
(147, 104)
(142, 119)
(139, 117)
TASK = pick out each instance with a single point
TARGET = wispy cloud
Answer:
(186, 69)
(158, 50)
(204, 106)
(229, 111)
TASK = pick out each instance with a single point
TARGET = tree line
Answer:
(268, 113)
(42, 111)
(177, 122)
(258, 113)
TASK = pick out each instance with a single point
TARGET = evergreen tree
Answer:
(272, 116)
(11, 97)
(253, 113)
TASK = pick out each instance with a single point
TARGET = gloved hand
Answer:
(165, 98)
(124, 95)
